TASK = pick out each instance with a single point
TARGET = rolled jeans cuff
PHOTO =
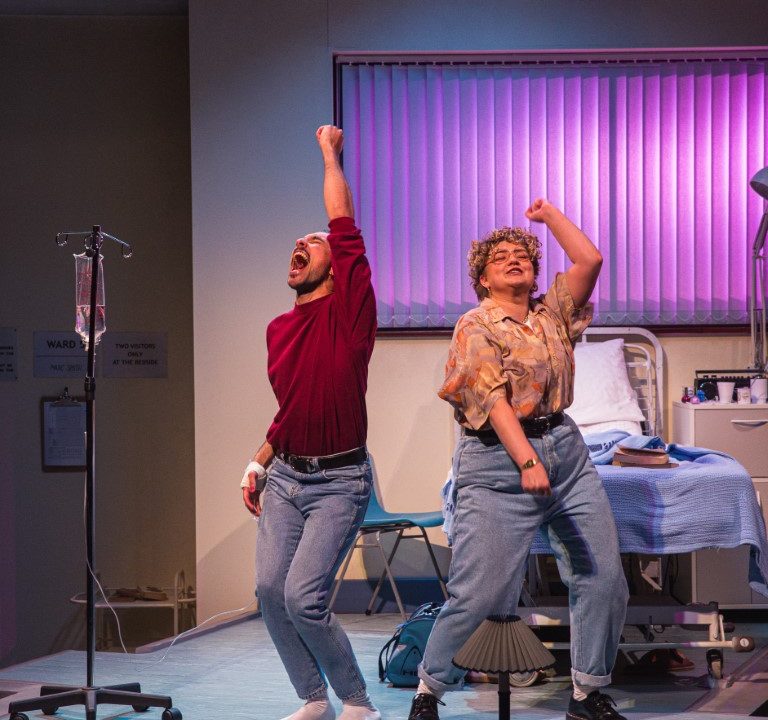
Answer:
(437, 687)
(322, 691)
(591, 680)
(358, 699)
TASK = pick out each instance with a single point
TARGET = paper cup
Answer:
(758, 389)
(743, 396)
(725, 391)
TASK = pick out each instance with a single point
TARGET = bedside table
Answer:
(740, 431)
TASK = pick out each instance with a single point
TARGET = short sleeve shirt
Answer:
(530, 365)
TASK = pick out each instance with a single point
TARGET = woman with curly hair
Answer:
(522, 464)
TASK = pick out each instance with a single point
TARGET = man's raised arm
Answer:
(351, 272)
(336, 192)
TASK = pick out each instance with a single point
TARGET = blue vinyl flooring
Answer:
(234, 673)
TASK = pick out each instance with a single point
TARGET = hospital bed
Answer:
(658, 512)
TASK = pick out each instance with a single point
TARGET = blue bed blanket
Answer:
(708, 501)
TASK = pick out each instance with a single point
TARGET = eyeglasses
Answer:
(502, 256)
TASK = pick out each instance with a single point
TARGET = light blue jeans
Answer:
(494, 525)
(308, 523)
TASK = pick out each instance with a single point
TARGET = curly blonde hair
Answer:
(480, 252)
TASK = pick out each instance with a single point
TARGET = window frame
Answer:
(543, 59)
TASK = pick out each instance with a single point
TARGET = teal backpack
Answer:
(401, 655)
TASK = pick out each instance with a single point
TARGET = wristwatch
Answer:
(528, 464)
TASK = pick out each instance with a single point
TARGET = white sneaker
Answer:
(359, 712)
(314, 710)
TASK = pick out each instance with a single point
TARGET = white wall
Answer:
(261, 82)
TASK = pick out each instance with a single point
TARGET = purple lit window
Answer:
(651, 159)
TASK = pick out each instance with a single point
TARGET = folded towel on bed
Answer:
(603, 445)
(707, 501)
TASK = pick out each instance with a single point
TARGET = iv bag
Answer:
(83, 298)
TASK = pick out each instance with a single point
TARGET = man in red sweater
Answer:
(319, 478)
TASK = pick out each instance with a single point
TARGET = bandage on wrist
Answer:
(253, 466)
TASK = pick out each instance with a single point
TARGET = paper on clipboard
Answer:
(63, 434)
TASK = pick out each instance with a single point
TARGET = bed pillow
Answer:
(602, 393)
(629, 426)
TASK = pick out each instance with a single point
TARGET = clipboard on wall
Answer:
(63, 433)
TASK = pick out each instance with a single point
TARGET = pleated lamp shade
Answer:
(759, 182)
(503, 643)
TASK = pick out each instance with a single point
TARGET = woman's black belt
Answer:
(532, 427)
(303, 464)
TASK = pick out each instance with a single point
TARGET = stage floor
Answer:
(234, 673)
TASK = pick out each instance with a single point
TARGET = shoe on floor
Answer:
(359, 712)
(596, 706)
(424, 707)
(660, 661)
(319, 709)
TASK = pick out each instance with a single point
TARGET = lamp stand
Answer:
(757, 315)
(504, 695)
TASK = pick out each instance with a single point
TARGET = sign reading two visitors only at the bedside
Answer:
(134, 355)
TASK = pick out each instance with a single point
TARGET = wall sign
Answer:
(8, 354)
(134, 355)
(59, 354)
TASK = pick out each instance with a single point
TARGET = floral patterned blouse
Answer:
(530, 365)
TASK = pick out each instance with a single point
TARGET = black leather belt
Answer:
(532, 427)
(307, 465)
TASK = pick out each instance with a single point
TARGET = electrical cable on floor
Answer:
(117, 619)
(194, 629)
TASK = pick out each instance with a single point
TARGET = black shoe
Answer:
(424, 707)
(596, 706)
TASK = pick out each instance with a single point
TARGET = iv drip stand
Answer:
(52, 697)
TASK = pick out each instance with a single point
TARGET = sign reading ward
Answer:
(59, 354)
(134, 355)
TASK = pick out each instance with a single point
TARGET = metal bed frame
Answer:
(645, 367)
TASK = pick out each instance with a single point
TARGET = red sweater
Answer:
(318, 357)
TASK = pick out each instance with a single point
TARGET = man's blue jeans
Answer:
(494, 525)
(308, 523)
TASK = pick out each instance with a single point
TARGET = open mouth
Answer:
(299, 260)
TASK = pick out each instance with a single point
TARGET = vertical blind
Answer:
(651, 160)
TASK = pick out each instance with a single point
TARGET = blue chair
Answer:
(406, 525)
